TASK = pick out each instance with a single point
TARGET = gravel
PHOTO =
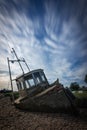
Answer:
(12, 118)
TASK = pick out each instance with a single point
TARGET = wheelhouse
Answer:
(31, 79)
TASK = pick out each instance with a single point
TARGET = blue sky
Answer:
(49, 34)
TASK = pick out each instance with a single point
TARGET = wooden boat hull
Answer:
(51, 101)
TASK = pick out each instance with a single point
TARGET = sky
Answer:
(49, 34)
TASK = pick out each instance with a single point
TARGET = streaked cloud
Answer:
(49, 34)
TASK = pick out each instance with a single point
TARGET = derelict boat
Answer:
(36, 94)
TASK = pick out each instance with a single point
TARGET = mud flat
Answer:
(12, 118)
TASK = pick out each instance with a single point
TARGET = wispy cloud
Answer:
(51, 35)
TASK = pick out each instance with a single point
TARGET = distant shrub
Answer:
(74, 86)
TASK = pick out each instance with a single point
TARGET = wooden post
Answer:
(10, 79)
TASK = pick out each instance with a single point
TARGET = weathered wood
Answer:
(45, 91)
(50, 100)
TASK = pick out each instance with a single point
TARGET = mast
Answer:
(10, 78)
(18, 60)
(12, 61)
(26, 64)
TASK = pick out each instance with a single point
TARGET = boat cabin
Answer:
(28, 83)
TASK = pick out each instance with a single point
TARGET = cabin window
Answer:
(27, 84)
(31, 81)
(42, 77)
(37, 77)
(19, 86)
(22, 85)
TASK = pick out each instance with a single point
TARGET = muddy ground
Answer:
(12, 118)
